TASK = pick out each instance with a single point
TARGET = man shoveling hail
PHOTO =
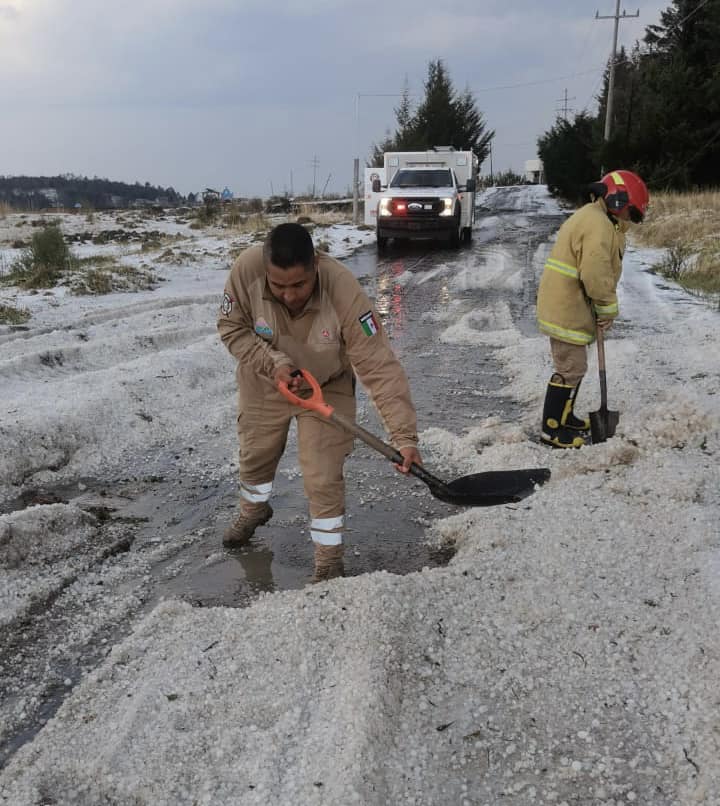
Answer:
(287, 308)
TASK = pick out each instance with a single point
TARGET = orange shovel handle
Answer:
(315, 402)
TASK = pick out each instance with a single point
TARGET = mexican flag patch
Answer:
(369, 323)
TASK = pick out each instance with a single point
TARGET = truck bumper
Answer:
(416, 229)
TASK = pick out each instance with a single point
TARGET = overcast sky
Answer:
(250, 93)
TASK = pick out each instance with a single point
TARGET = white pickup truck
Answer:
(431, 194)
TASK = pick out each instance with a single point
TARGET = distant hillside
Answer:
(69, 191)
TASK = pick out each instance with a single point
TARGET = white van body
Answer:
(429, 194)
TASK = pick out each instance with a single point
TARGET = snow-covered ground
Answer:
(569, 654)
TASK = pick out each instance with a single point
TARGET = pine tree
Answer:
(567, 155)
(443, 118)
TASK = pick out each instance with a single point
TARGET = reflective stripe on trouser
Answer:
(322, 447)
(255, 493)
(327, 531)
(569, 360)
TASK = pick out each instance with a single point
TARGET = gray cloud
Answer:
(245, 92)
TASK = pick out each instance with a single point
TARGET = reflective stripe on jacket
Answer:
(581, 274)
(337, 331)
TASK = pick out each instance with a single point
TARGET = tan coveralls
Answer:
(578, 283)
(336, 332)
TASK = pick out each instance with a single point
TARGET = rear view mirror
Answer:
(470, 186)
(376, 186)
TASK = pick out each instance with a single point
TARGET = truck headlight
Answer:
(384, 207)
(448, 207)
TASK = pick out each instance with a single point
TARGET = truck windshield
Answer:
(430, 178)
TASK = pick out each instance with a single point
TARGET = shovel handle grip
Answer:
(315, 402)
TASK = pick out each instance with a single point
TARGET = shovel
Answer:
(477, 490)
(603, 421)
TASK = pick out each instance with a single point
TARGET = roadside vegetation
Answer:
(10, 315)
(48, 262)
(687, 225)
(664, 115)
(43, 263)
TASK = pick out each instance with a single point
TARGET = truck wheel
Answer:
(467, 234)
(381, 243)
(456, 233)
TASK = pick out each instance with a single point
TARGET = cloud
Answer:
(267, 79)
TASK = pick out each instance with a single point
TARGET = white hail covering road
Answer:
(569, 654)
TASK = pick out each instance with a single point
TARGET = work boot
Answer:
(251, 516)
(573, 421)
(328, 562)
(558, 405)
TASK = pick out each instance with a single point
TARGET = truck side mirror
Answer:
(470, 186)
(376, 186)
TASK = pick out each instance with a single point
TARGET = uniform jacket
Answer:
(337, 331)
(581, 274)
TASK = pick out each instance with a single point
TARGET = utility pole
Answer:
(327, 182)
(564, 101)
(611, 83)
(315, 162)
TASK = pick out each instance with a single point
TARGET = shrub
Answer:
(42, 264)
(675, 262)
(10, 315)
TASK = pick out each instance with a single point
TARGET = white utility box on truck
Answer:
(430, 194)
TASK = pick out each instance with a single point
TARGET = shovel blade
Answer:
(603, 423)
(492, 488)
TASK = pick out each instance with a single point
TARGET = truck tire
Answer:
(381, 243)
(456, 234)
(467, 234)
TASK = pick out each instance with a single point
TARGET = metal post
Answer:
(356, 163)
(356, 186)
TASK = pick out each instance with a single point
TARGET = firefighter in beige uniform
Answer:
(578, 291)
(286, 308)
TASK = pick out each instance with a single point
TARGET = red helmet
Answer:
(626, 189)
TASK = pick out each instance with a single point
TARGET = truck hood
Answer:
(410, 193)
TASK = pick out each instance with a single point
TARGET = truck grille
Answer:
(415, 207)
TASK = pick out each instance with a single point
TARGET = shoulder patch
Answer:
(369, 323)
(262, 328)
(226, 304)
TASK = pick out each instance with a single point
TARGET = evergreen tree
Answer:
(443, 118)
(567, 155)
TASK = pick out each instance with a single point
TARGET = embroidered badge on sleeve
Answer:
(226, 304)
(262, 328)
(369, 323)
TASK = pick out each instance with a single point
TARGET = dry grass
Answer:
(5, 209)
(688, 226)
(10, 315)
(319, 214)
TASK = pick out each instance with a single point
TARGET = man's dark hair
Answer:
(289, 245)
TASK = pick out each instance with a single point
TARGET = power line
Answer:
(694, 11)
(690, 158)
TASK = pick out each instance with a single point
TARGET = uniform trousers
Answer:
(263, 425)
(569, 360)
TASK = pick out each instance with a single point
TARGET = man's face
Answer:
(624, 214)
(292, 286)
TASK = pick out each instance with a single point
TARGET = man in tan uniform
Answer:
(287, 308)
(578, 292)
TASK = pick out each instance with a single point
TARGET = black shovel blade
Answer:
(603, 423)
(492, 488)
